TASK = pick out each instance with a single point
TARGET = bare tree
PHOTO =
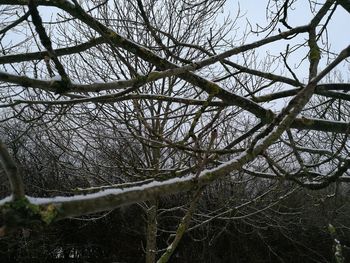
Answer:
(168, 98)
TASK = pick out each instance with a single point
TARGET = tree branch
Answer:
(12, 173)
(17, 58)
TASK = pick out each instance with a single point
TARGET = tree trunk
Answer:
(151, 238)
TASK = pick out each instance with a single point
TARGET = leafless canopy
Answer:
(174, 95)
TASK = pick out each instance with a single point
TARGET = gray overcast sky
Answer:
(255, 12)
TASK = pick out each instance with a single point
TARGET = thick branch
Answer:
(59, 52)
(12, 173)
(15, 23)
(46, 42)
(321, 89)
(116, 98)
(345, 4)
(51, 85)
(161, 63)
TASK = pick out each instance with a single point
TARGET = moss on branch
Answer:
(22, 213)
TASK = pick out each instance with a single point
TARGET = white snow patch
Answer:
(99, 81)
(6, 199)
(106, 192)
(224, 164)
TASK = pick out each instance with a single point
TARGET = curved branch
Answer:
(12, 173)
(17, 58)
(345, 4)
(15, 23)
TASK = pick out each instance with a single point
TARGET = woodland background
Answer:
(174, 131)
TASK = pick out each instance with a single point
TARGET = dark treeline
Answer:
(294, 229)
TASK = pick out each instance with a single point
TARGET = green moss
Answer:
(331, 229)
(315, 53)
(18, 204)
(210, 176)
(154, 76)
(61, 86)
(307, 122)
(141, 80)
(192, 135)
(214, 89)
(21, 213)
(206, 103)
(48, 214)
(269, 116)
(181, 229)
(112, 34)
